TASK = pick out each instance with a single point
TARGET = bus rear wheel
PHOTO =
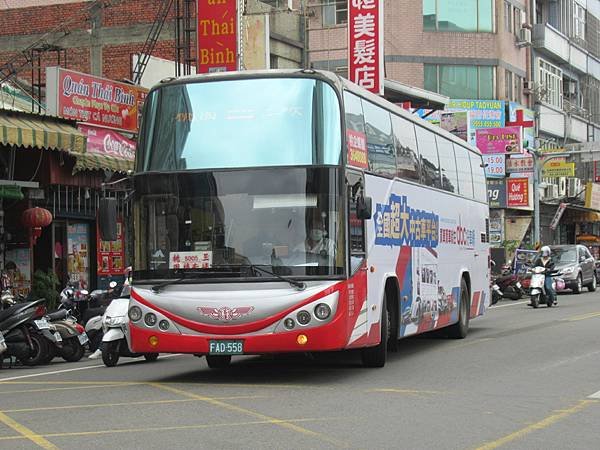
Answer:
(460, 329)
(218, 361)
(376, 356)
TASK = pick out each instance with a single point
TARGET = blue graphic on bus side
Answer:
(396, 224)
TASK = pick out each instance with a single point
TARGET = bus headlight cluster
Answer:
(322, 311)
(150, 319)
(135, 313)
(164, 325)
(289, 323)
(303, 317)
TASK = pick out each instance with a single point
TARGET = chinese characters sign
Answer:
(517, 192)
(555, 169)
(111, 254)
(365, 44)
(94, 100)
(519, 164)
(217, 35)
(397, 224)
(357, 149)
(190, 260)
(499, 140)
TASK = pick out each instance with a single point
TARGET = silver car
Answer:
(577, 266)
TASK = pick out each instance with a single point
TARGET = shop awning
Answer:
(30, 130)
(90, 161)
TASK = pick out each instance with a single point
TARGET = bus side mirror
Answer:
(107, 219)
(364, 207)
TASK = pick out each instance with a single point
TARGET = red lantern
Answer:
(36, 218)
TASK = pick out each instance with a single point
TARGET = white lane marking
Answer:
(596, 395)
(54, 372)
(510, 304)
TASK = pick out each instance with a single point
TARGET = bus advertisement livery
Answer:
(292, 211)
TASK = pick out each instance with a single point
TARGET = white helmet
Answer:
(545, 250)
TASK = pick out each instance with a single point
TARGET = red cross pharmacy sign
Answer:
(365, 44)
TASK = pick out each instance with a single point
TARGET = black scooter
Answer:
(26, 333)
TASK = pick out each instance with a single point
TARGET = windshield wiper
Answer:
(184, 276)
(300, 285)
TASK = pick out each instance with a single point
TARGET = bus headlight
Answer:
(289, 323)
(163, 325)
(150, 319)
(135, 313)
(303, 317)
(322, 311)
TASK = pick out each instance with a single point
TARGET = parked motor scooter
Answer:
(75, 300)
(510, 284)
(72, 333)
(496, 293)
(114, 341)
(537, 285)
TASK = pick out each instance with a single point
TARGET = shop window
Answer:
(382, 155)
(458, 15)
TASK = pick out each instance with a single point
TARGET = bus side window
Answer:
(354, 113)
(463, 164)
(382, 157)
(407, 156)
(447, 164)
(430, 164)
(479, 184)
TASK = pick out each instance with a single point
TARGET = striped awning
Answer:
(27, 130)
(91, 161)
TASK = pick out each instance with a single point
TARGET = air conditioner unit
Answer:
(524, 37)
(562, 186)
(551, 191)
(573, 187)
(528, 87)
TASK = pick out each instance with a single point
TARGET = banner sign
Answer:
(559, 212)
(357, 149)
(523, 259)
(494, 165)
(555, 169)
(482, 114)
(365, 44)
(519, 164)
(78, 254)
(499, 140)
(101, 141)
(592, 196)
(497, 193)
(111, 254)
(93, 100)
(456, 122)
(517, 192)
(216, 25)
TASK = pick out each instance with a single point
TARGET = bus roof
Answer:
(339, 82)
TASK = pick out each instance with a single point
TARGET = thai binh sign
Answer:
(103, 142)
(365, 44)
(93, 100)
(499, 140)
(216, 32)
(517, 192)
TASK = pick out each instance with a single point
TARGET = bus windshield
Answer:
(240, 123)
(223, 222)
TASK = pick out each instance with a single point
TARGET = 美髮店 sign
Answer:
(93, 100)
(216, 30)
(517, 192)
(365, 44)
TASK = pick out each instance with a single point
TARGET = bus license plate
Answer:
(225, 347)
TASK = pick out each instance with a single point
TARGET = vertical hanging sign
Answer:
(217, 35)
(365, 44)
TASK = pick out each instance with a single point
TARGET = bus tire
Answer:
(460, 329)
(376, 356)
(218, 361)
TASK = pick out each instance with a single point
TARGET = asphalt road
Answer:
(522, 379)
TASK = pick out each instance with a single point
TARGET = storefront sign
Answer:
(217, 36)
(523, 259)
(357, 149)
(559, 212)
(101, 141)
(482, 114)
(525, 118)
(496, 193)
(519, 164)
(517, 192)
(78, 254)
(555, 169)
(494, 165)
(499, 140)
(190, 260)
(456, 122)
(94, 100)
(365, 44)
(592, 196)
(111, 254)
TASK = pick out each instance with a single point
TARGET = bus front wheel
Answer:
(376, 356)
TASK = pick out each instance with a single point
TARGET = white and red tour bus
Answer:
(292, 211)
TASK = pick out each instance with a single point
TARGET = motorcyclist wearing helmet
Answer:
(545, 260)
